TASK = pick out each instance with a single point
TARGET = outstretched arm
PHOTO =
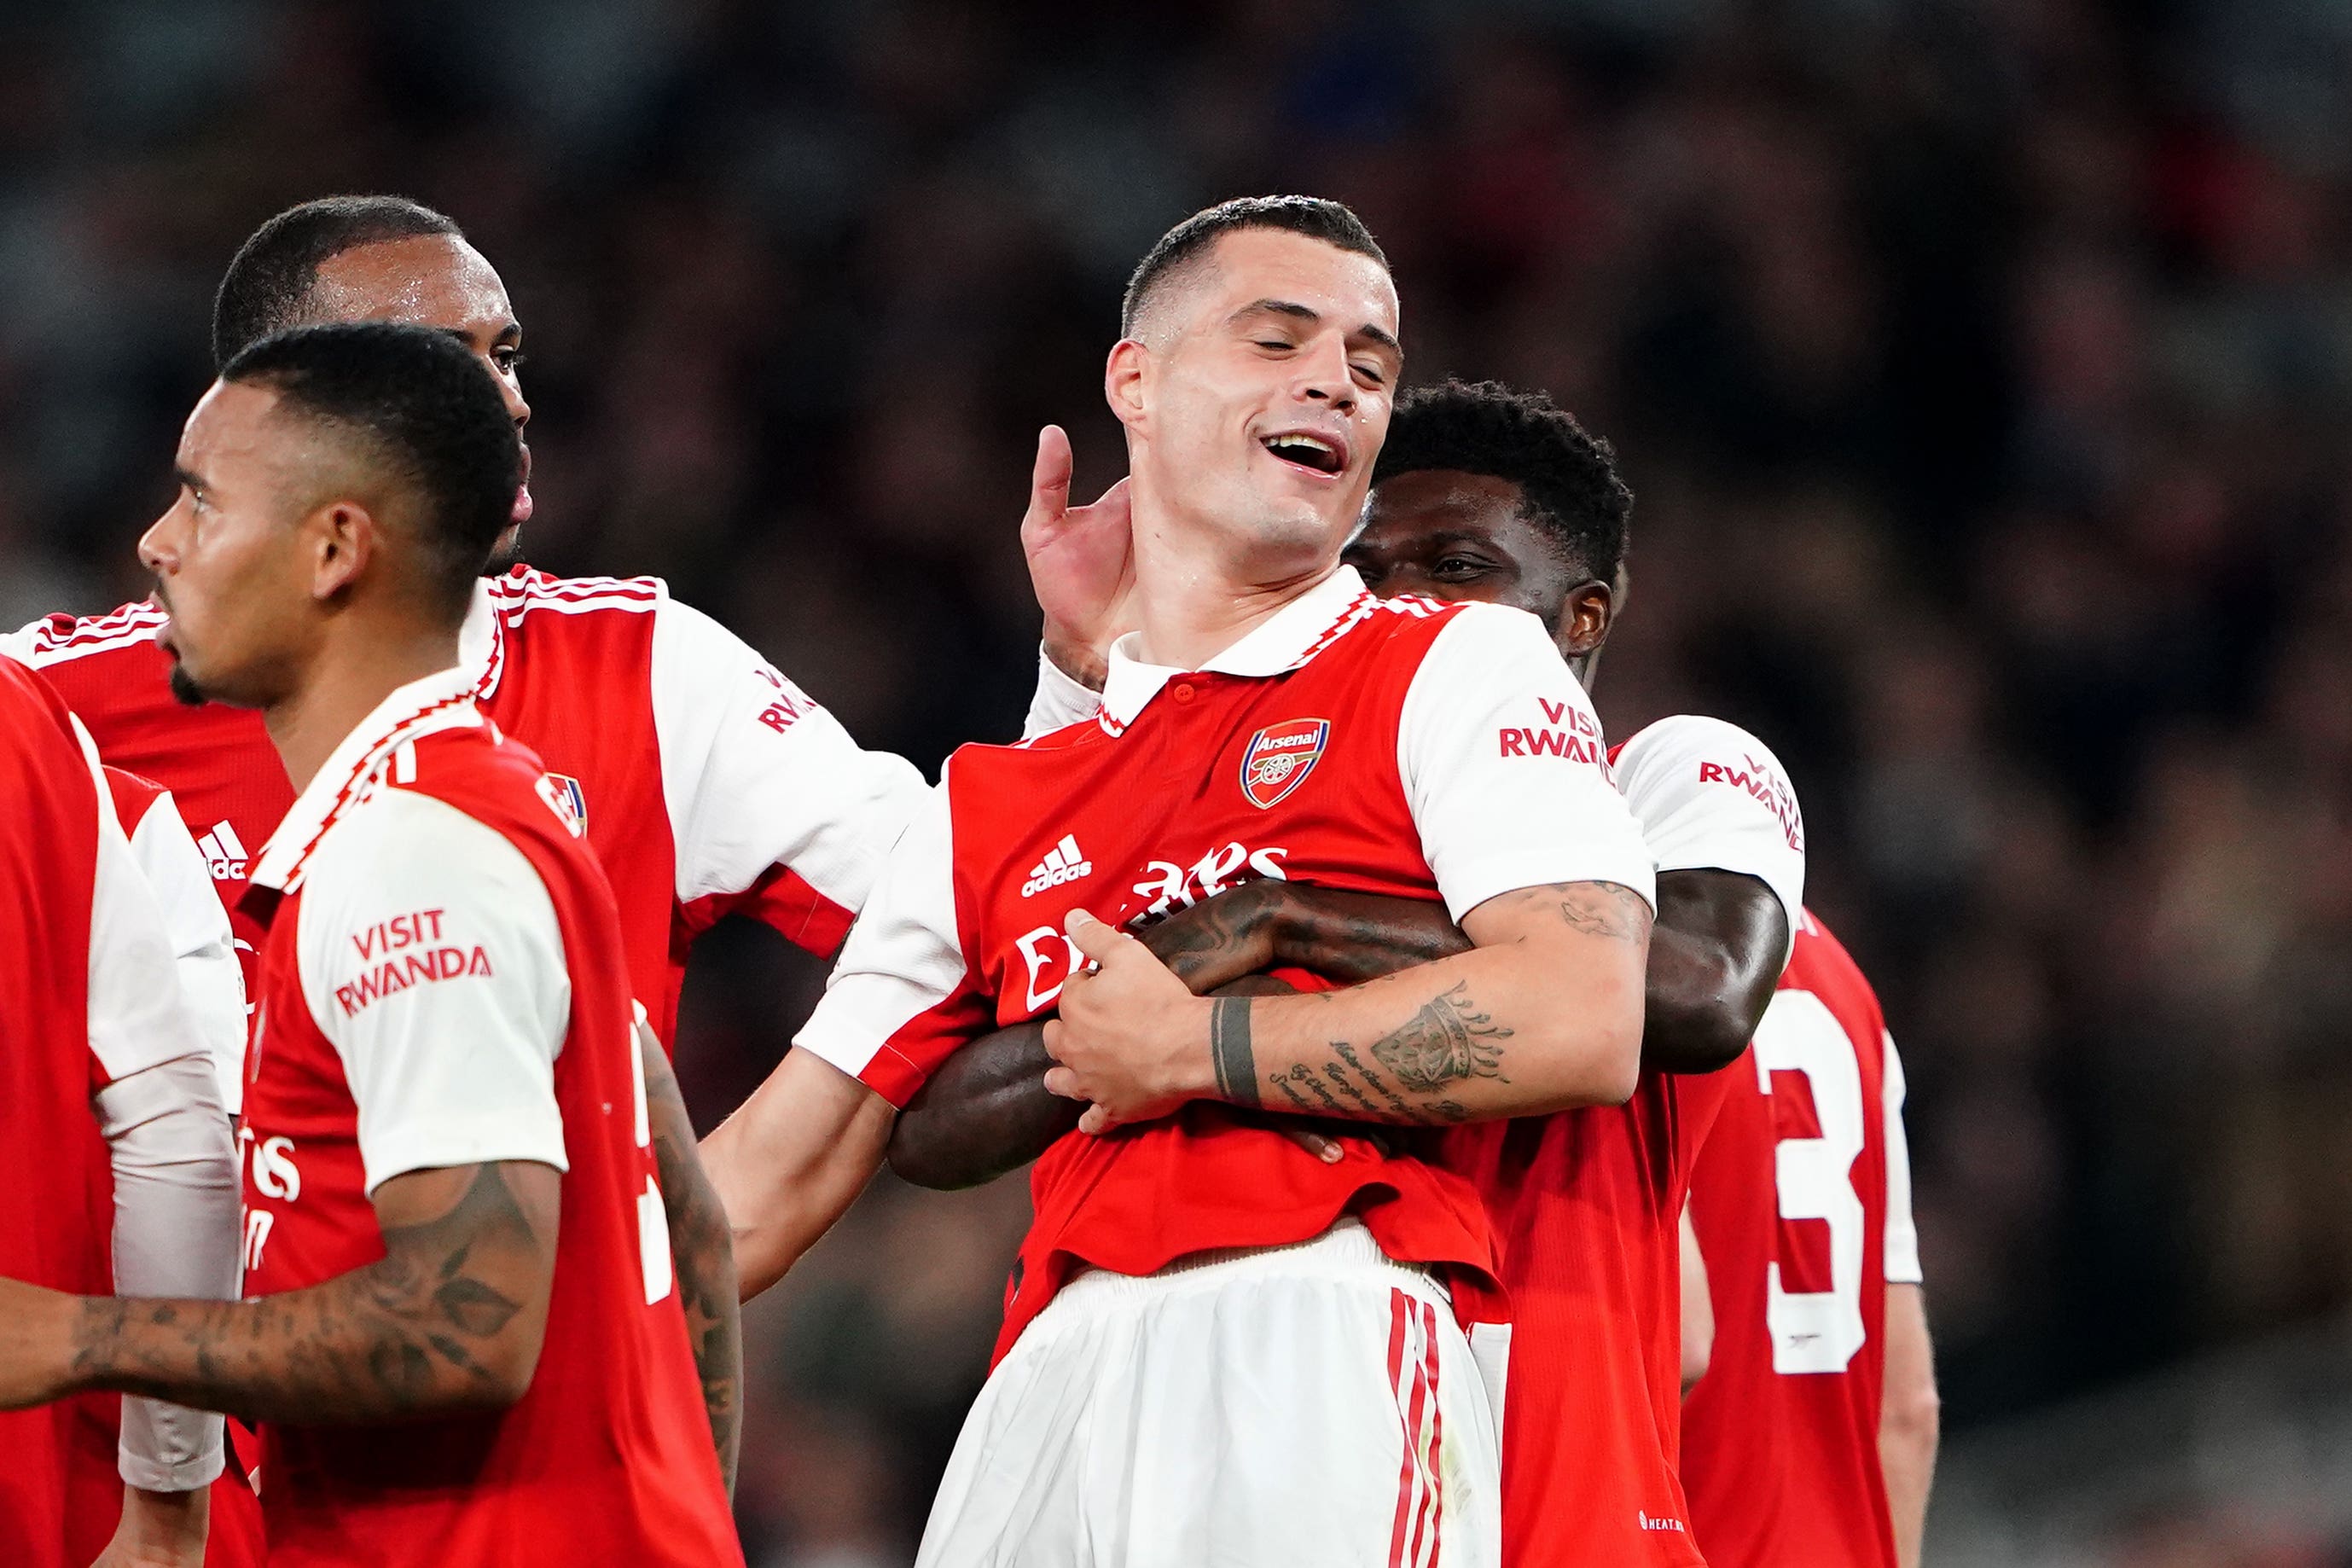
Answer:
(703, 1251)
(450, 1319)
(792, 1159)
(1476, 1035)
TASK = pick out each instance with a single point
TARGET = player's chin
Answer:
(185, 688)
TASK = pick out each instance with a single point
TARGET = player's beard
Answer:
(506, 554)
(184, 688)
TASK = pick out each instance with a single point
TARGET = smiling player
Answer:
(1218, 1347)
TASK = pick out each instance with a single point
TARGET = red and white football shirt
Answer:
(710, 783)
(1586, 1205)
(1802, 1207)
(85, 1000)
(1437, 751)
(442, 985)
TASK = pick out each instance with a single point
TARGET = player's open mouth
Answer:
(1301, 450)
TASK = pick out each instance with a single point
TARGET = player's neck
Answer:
(348, 680)
(1195, 596)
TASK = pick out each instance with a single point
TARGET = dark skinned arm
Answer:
(450, 1319)
(985, 1112)
(702, 1246)
(1716, 954)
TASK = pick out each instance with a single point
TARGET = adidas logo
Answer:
(1064, 862)
(224, 854)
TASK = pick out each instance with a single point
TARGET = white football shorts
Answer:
(1290, 1407)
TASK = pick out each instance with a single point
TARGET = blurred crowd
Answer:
(1982, 369)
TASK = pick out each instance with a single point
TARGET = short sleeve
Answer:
(902, 998)
(203, 950)
(1711, 796)
(139, 1014)
(432, 961)
(1504, 768)
(1902, 1232)
(1059, 702)
(774, 809)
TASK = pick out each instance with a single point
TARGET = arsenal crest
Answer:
(1279, 757)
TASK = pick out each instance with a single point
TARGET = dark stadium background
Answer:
(1982, 369)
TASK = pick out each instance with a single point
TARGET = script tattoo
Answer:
(1229, 1050)
(1447, 1041)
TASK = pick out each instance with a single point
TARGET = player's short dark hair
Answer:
(1329, 221)
(421, 405)
(268, 281)
(1568, 474)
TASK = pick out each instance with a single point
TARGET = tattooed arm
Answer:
(1474, 1036)
(1716, 954)
(450, 1319)
(704, 1252)
(986, 1112)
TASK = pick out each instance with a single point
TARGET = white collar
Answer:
(1284, 640)
(481, 641)
(442, 701)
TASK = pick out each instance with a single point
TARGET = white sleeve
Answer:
(1711, 796)
(1504, 768)
(139, 1017)
(757, 776)
(901, 999)
(431, 960)
(18, 645)
(1059, 702)
(1902, 1234)
(175, 1235)
(202, 950)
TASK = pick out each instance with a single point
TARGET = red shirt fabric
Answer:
(608, 1457)
(1347, 741)
(60, 1457)
(1790, 1203)
(1587, 1206)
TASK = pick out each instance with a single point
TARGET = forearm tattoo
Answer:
(404, 1336)
(1448, 1040)
(1229, 1050)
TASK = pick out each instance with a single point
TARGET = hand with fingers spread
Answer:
(1131, 1039)
(1081, 561)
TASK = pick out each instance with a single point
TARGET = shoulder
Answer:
(63, 639)
(406, 850)
(526, 590)
(1688, 755)
(1695, 735)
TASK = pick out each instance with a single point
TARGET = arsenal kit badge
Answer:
(1279, 757)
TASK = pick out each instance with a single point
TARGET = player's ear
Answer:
(338, 539)
(1123, 380)
(1586, 612)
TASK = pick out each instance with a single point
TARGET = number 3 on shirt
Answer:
(1816, 1331)
(653, 1219)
